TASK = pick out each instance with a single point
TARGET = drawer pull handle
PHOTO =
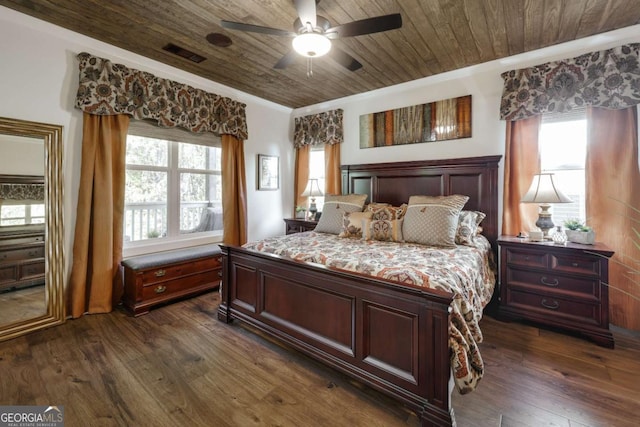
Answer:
(553, 305)
(543, 280)
(160, 273)
(219, 273)
(160, 289)
(526, 258)
(575, 264)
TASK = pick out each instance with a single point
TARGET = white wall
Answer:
(38, 82)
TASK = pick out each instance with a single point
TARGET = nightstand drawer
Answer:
(553, 283)
(557, 307)
(526, 258)
(572, 264)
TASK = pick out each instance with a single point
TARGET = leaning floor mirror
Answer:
(31, 233)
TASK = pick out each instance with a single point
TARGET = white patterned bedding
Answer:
(465, 271)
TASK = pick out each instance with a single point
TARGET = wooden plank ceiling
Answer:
(436, 36)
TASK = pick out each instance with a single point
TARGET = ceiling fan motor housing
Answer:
(322, 25)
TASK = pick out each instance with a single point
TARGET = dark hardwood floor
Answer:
(179, 366)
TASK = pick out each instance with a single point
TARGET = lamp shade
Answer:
(311, 45)
(544, 190)
(312, 189)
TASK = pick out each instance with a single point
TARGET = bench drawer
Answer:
(165, 273)
(178, 285)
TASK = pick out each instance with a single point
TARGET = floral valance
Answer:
(321, 128)
(22, 192)
(107, 89)
(608, 78)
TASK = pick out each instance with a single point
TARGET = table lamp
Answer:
(543, 191)
(312, 190)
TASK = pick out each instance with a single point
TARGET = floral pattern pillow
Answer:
(468, 227)
(383, 230)
(388, 212)
(352, 223)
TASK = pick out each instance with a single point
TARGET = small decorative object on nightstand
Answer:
(301, 212)
(294, 225)
(559, 237)
(556, 285)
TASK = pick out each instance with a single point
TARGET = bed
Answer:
(393, 336)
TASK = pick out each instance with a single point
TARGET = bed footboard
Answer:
(393, 338)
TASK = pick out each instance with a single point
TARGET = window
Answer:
(172, 190)
(563, 149)
(316, 170)
(21, 213)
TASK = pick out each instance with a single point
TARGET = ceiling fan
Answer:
(312, 34)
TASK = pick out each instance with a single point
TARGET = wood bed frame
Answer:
(391, 337)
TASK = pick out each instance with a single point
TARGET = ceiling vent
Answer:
(180, 51)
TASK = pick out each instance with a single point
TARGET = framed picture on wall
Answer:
(268, 172)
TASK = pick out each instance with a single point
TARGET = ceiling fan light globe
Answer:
(311, 45)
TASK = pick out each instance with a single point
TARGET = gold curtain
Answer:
(234, 191)
(613, 182)
(302, 174)
(332, 173)
(95, 285)
(522, 162)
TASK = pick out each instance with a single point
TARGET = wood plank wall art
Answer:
(434, 121)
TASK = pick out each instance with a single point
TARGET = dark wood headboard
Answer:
(476, 177)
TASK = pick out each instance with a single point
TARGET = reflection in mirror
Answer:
(31, 262)
(22, 265)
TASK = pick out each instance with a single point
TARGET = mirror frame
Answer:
(54, 241)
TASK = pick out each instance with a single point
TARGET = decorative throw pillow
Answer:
(375, 205)
(433, 220)
(352, 223)
(334, 206)
(468, 226)
(388, 212)
(384, 230)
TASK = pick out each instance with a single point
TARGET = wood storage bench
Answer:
(162, 277)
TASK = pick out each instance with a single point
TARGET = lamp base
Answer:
(544, 221)
(312, 209)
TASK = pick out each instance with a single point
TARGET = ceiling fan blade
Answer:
(256, 29)
(344, 59)
(368, 26)
(306, 11)
(286, 60)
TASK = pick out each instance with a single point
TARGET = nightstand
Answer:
(560, 286)
(293, 225)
